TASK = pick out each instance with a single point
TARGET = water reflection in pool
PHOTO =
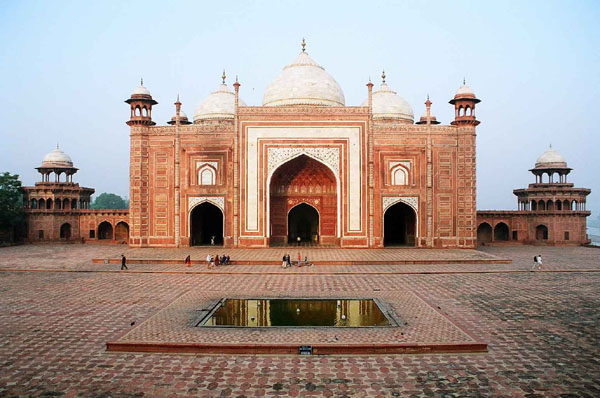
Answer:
(298, 312)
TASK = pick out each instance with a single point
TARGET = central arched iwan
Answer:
(303, 180)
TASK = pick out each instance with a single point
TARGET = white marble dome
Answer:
(550, 159)
(220, 104)
(57, 158)
(304, 82)
(387, 104)
(141, 90)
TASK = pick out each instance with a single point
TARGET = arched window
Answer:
(542, 205)
(49, 204)
(566, 205)
(550, 205)
(558, 205)
(57, 204)
(468, 111)
(533, 205)
(65, 204)
(138, 111)
(34, 203)
(145, 111)
(207, 175)
(461, 111)
(74, 204)
(42, 204)
(399, 175)
(574, 205)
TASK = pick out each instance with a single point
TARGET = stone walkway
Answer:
(542, 328)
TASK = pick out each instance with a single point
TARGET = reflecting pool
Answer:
(297, 312)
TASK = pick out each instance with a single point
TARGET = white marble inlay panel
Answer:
(213, 164)
(328, 156)
(412, 201)
(218, 201)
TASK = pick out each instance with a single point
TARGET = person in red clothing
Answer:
(299, 260)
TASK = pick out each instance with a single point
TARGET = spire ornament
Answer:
(303, 45)
(141, 81)
(224, 76)
(383, 76)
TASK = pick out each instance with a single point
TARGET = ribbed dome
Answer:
(57, 158)
(464, 89)
(220, 104)
(550, 159)
(304, 82)
(389, 105)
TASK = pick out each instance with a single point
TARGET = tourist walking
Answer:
(537, 263)
(299, 260)
(188, 260)
(306, 261)
(123, 262)
(288, 259)
(284, 261)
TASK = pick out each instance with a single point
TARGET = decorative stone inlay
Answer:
(218, 201)
(328, 156)
(404, 163)
(213, 164)
(412, 201)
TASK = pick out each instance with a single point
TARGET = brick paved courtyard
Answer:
(58, 310)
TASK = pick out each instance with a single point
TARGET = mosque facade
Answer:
(303, 168)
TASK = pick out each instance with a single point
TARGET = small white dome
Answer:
(465, 90)
(220, 104)
(57, 158)
(304, 82)
(182, 115)
(389, 105)
(549, 159)
(141, 90)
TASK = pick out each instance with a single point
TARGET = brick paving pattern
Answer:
(543, 328)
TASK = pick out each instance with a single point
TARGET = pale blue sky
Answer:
(67, 66)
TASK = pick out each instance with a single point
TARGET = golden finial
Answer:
(224, 76)
(303, 45)
(383, 77)
(236, 78)
(142, 81)
(464, 81)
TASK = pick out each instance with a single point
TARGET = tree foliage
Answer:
(11, 201)
(109, 201)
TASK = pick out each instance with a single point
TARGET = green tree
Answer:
(11, 204)
(109, 201)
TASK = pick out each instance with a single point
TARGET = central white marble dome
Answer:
(304, 82)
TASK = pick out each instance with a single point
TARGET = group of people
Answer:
(212, 261)
(287, 261)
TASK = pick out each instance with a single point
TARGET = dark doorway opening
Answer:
(399, 226)
(206, 225)
(484, 233)
(541, 232)
(501, 232)
(303, 223)
(105, 231)
(65, 231)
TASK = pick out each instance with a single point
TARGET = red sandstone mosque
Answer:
(304, 168)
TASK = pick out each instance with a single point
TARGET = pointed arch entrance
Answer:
(399, 225)
(303, 202)
(65, 231)
(303, 224)
(206, 225)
